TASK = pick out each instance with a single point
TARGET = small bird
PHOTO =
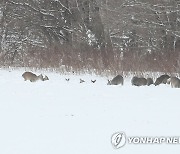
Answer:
(67, 79)
(81, 81)
(93, 81)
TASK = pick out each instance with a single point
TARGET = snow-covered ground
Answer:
(60, 117)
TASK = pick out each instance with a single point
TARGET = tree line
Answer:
(123, 35)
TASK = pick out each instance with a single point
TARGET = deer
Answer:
(32, 77)
(174, 81)
(162, 79)
(116, 80)
(149, 81)
(136, 81)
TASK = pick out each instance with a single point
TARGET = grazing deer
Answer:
(136, 81)
(149, 81)
(93, 81)
(81, 81)
(32, 77)
(174, 81)
(162, 79)
(116, 80)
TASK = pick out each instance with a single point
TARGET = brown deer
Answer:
(32, 77)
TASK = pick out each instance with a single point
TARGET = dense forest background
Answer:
(114, 35)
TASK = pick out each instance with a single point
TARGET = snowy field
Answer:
(60, 117)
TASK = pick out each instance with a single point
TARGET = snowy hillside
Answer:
(60, 117)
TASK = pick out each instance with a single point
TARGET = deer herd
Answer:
(117, 80)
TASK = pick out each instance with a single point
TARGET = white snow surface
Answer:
(60, 117)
